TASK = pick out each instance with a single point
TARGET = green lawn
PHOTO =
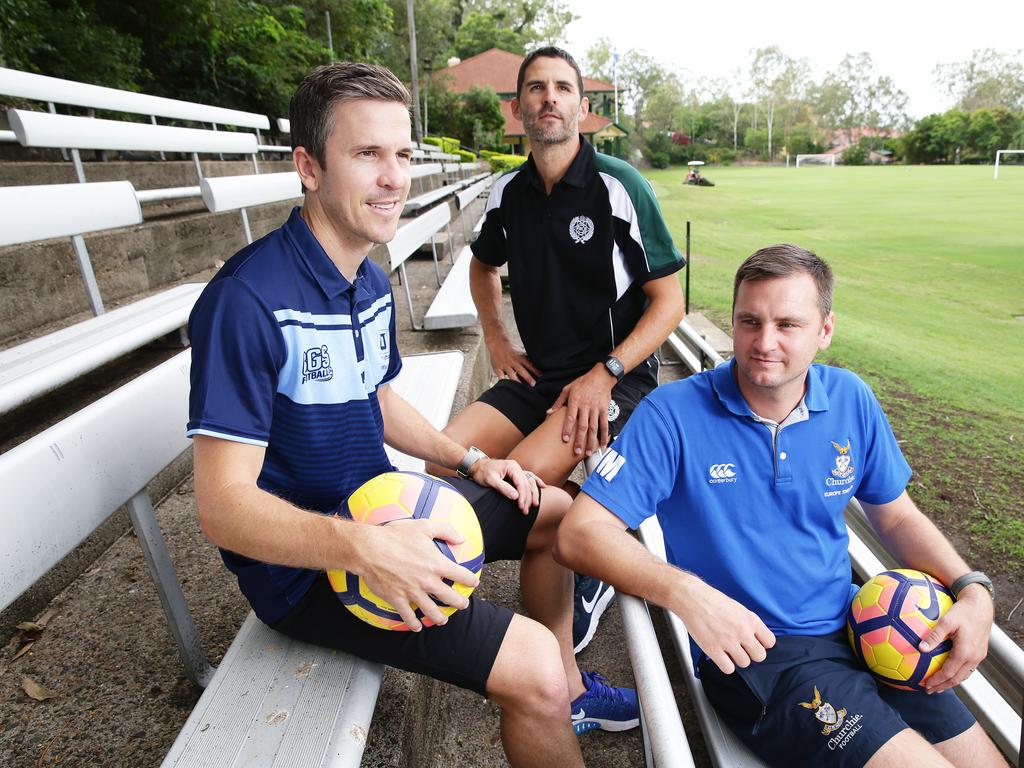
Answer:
(929, 264)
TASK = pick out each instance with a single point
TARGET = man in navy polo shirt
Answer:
(593, 280)
(294, 348)
(748, 468)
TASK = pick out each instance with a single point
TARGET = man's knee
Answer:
(528, 675)
(554, 504)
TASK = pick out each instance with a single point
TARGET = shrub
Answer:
(501, 163)
(855, 155)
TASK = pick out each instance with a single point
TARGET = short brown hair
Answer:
(786, 260)
(548, 52)
(311, 111)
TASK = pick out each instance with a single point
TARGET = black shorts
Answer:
(812, 703)
(463, 650)
(527, 406)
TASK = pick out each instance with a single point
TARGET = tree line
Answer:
(250, 55)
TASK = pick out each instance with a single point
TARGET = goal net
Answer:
(1003, 155)
(815, 160)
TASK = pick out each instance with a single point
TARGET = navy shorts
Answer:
(812, 703)
(526, 407)
(463, 650)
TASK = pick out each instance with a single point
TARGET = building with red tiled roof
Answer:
(499, 69)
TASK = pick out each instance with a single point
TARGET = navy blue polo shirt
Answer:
(287, 354)
(577, 258)
(753, 508)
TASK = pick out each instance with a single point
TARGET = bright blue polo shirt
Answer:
(287, 354)
(757, 516)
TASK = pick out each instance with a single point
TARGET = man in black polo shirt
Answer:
(592, 270)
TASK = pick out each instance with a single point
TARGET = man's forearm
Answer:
(485, 287)
(659, 319)
(406, 430)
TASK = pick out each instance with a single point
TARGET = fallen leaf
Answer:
(36, 691)
(31, 626)
(23, 650)
(43, 620)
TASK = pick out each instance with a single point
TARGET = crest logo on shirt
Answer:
(581, 229)
(722, 473)
(843, 467)
(316, 365)
(383, 341)
(613, 410)
(825, 713)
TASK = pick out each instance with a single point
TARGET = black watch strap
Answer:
(974, 577)
(615, 367)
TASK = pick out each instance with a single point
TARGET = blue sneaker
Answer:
(602, 706)
(591, 599)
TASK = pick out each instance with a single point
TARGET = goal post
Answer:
(819, 159)
(1000, 153)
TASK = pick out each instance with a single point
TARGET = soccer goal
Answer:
(815, 160)
(999, 155)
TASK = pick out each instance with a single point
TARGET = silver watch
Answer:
(973, 577)
(473, 455)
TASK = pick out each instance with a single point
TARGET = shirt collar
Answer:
(577, 174)
(723, 381)
(319, 264)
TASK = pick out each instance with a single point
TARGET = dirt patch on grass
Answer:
(969, 479)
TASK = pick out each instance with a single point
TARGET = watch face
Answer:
(614, 366)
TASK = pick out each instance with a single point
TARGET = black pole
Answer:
(689, 266)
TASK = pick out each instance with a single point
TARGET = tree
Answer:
(665, 106)
(535, 22)
(640, 75)
(989, 79)
(435, 36)
(480, 32)
(777, 79)
(852, 96)
(481, 123)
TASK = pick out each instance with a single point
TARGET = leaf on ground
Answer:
(23, 650)
(31, 626)
(43, 620)
(37, 691)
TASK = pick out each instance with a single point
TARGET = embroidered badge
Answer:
(613, 410)
(581, 229)
(825, 713)
(843, 467)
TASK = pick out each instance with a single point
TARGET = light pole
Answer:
(413, 65)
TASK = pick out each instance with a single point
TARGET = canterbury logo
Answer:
(610, 465)
(721, 471)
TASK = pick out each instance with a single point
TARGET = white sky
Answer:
(906, 38)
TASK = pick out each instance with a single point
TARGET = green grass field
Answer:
(929, 265)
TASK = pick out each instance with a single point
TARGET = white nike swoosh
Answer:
(580, 716)
(589, 607)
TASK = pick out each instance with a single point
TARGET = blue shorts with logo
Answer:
(812, 703)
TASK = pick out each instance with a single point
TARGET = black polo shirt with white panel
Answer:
(577, 258)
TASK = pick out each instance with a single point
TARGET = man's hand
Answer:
(510, 480)
(967, 623)
(586, 410)
(727, 632)
(511, 362)
(403, 565)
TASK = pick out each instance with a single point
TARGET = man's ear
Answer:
(827, 329)
(517, 111)
(584, 108)
(308, 169)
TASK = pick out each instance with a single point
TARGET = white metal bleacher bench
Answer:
(231, 193)
(427, 199)
(61, 484)
(408, 239)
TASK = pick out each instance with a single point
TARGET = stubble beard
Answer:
(539, 134)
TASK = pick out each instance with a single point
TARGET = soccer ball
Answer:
(400, 496)
(887, 620)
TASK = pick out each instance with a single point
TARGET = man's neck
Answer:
(774, 404)
(345, 253)
(553, 160)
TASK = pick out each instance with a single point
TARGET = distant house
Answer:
(841, 140)
(498, 69)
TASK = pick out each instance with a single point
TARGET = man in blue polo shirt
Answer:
(748, 469)
(294, 349)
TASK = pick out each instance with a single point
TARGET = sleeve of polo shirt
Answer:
(489, 245)
(639, 471)
(640, 228)
(885, 473)
(237, 350)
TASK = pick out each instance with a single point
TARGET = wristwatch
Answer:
(974, 577)
(473, 455)
(615, 367)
